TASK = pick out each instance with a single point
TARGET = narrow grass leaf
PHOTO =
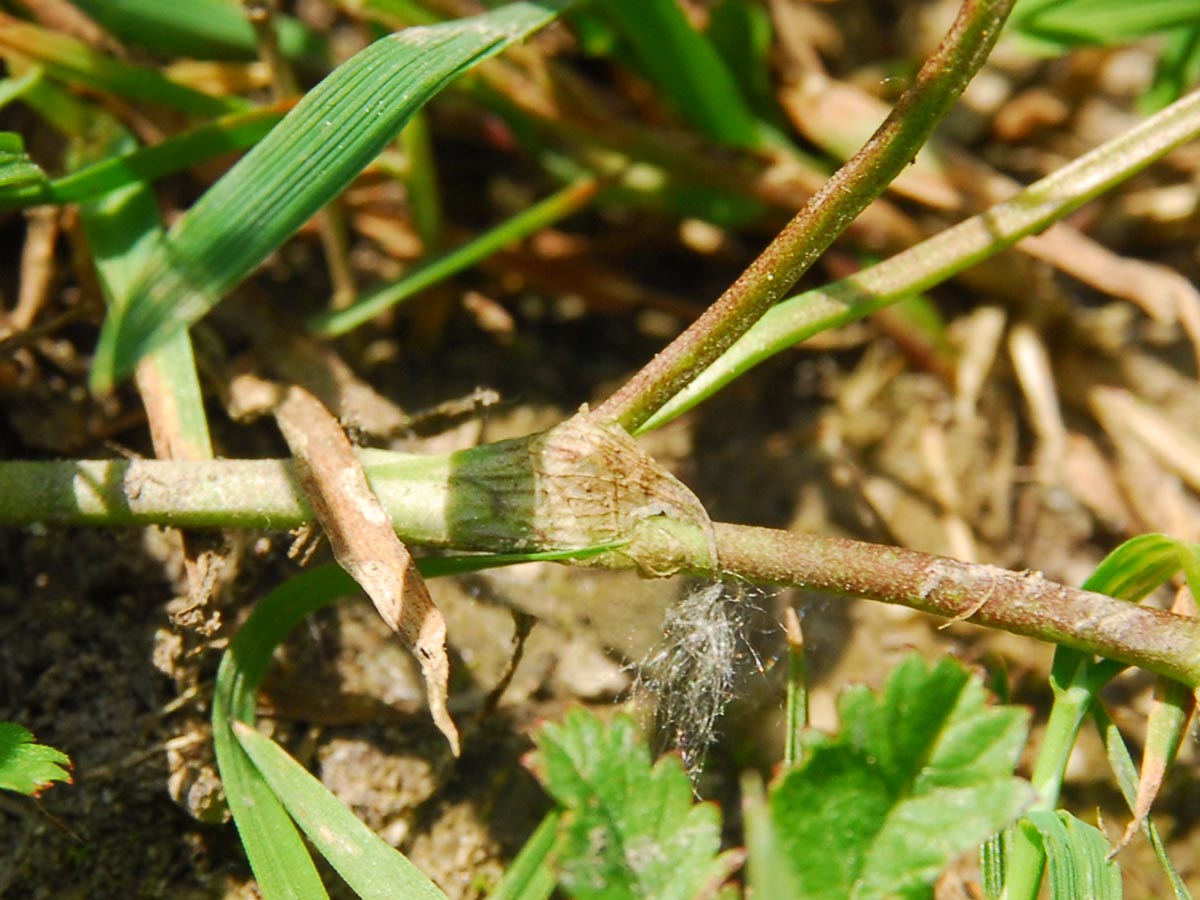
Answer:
(629, 830)
(1071, 23)
(17, 171)
(122, 227)
(686, 68)
(558, 205)
(742, 33)
(277, 855)
(236, 131)
(944, 255)
(28, 767)
(1178, 67)
(918, 774)
(14, 88)
(199, 29)
(274, 847)
(1078, 857)
(769, 875)
(314, 153)
(75, 63)
(1137, 567)
(1127, 779)
(530, 877)
(375, 870)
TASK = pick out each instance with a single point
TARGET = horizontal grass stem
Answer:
(416, 492)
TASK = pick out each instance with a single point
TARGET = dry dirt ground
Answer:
(1029, 455)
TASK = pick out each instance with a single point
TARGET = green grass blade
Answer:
(530, 876)
(944, 255)
(375, 870)
(274, 847)
(686, 68)
(557, 206)
(123, 228)
(13, 88)
(310, 157)
(1137, 567)
(75, 63)
(200, 29)
(1178, 67)
(1070, 23)
(276, 852)
(236, 131)
(1127, 779)
(1078, 857)
(17, 171)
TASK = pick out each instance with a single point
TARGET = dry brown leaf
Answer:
(364, 543)
(1170, 717)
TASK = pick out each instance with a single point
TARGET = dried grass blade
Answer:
(364, 542)
(318, 149)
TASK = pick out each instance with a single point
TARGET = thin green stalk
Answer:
(558, 205)
(1026, 857)
(460, 501)
(946, 254)
(863, 178)
(422, 182)
(797, 690)
(236, 131)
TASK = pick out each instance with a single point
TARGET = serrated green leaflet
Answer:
(310, 157)
(918, 775)
(631, 831)
(28, 767)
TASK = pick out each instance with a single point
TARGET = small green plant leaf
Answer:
(1077, 855)
(307, 160)
(27, 767)
(17, 170)
(375, 870)
(630, 830)
(919, 774)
